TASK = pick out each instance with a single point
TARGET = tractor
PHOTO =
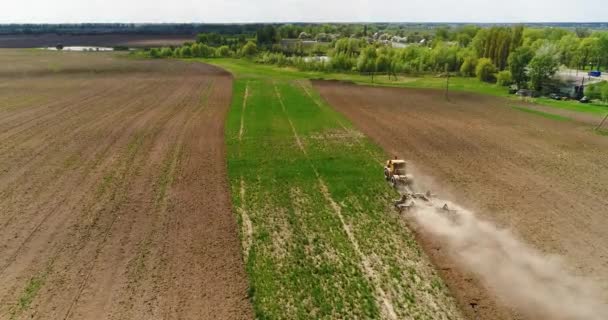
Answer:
(395, 173)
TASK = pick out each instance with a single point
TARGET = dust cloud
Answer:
(535, 285)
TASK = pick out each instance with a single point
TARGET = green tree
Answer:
(154, 53)
(468, 66)
(383, 63)
(543, 66)
(442, 55)
(196, 50)
(518, 63)
(342, 62)
(495, 44)
(602, 49)
(186, 52)
(517, 38)
(485, 70)
(594, 91)
(210, 39)
(250, 49)
(206, 51)
(582, 32)
(166, 52)
(442, 34)
(463, 39)
(567, 48)
(367, 61)
(605, 93)
(587, 51)
(223, 51)
(267, 36)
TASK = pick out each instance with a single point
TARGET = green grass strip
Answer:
(542, 114)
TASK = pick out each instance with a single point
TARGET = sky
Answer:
(235, 11)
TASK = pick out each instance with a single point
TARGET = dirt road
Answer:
(545, 180)
(114, 201)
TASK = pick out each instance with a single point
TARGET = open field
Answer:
(544, 179)
(319, 238)
(102, 40)
(114, 201)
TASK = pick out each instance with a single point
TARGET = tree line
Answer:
(508, 55)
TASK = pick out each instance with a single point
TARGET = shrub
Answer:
(468, 67)
(166, 52)
(154, 53)
(597, 91)
(342, 62)
(206, 51)
(223, 51)
(485, 70)
(250, 49)
(504, 78)
(186, 52)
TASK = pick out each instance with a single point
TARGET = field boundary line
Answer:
(243, 111)
(381, 297)
(247, 226)
(295, 133)
(319, 104)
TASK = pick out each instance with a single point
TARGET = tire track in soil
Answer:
(158, 122)
(214, 254)
(16, 186)
(91, 236)
(91, 206)
(134, 185)
(382, 298)
(170, 149)
(60, 192)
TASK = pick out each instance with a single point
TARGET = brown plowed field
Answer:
(102, 40)
(114, 201)
(545, 180)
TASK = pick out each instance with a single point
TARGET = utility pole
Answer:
(602, 123)
(447, 83)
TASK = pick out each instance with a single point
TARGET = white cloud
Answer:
(53, 11)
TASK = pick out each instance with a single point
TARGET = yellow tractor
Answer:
(395, 173)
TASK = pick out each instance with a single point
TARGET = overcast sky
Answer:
(54, 11)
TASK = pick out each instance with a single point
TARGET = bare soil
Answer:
(114, 201)
(545, 180)
(102, 40)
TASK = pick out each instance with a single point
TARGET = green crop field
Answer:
(318, 235)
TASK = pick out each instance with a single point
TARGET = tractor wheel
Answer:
(387, 176)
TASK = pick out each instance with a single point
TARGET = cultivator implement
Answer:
(395, 173)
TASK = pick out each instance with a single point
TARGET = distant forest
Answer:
(235, 29)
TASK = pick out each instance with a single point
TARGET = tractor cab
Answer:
(396, 167)
(395, 172)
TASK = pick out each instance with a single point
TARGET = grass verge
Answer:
(542, 114)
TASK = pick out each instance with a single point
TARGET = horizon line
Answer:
(310, 22)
